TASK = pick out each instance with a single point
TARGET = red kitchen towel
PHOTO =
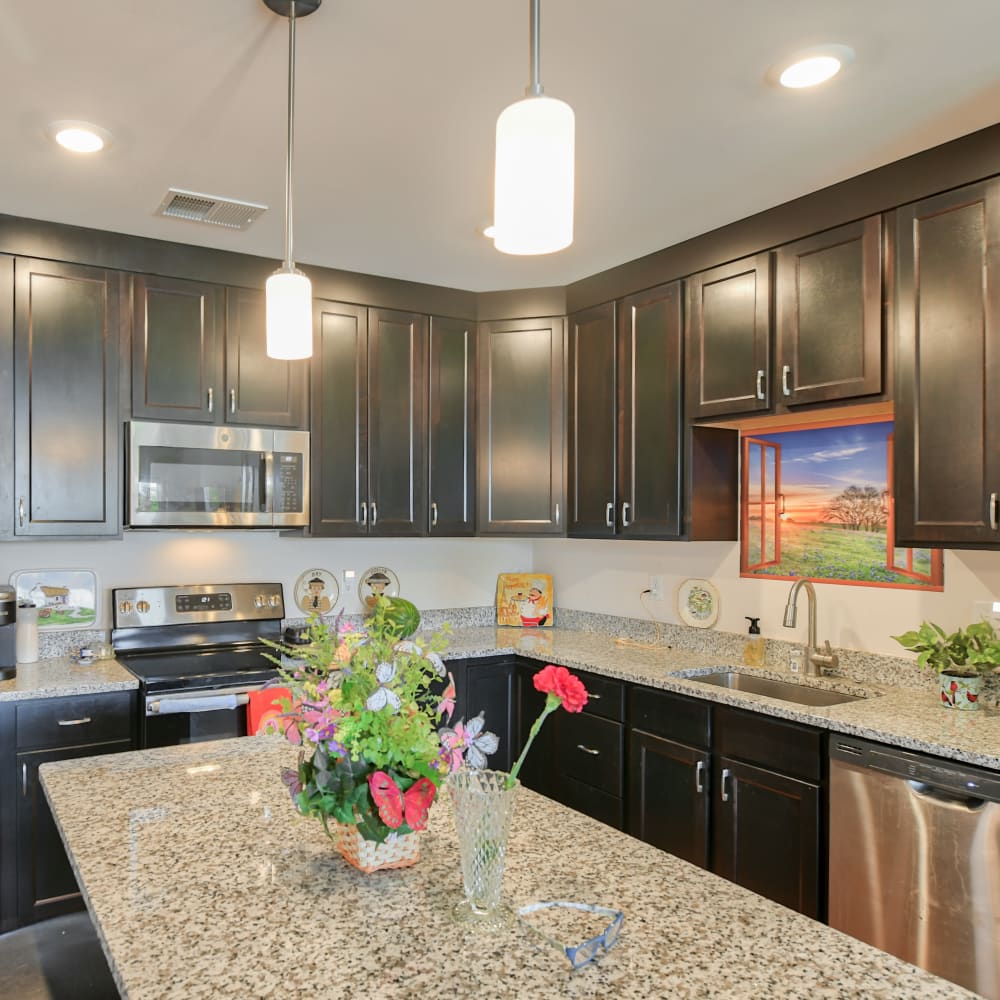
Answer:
(264, 710)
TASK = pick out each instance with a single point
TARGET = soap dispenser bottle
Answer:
(753, 651)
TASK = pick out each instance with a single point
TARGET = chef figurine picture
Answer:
(524, 599)
(535, 610)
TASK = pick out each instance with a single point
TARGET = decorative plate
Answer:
(65, 598)
(374, 582)
(316, 592)
(698, 603)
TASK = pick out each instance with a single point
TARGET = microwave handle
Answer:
(269, 482)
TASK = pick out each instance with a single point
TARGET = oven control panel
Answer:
(139, 607)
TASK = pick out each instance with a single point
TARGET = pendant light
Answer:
(288, 292)
(533, 194)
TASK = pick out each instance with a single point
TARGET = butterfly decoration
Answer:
(385, 674)
(394, 806)
(409, 646)
(447, 704)
(291, 780)
(468, 741)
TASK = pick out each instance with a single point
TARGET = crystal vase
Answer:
(483, 809)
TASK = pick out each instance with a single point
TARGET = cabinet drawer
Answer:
(75, 721)
(592, 802)
(590, 750)
(673, 716)
(775, 744)
(606, 696)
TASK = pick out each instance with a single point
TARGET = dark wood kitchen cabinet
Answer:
(199, 354)
(369, 423)
(520, 455)
(66, 425)
(733, 791)
(828, 297)
(451, 427)
(36, 880)
(487, 684)
(946, 466)
(6, 394)
(728, 338)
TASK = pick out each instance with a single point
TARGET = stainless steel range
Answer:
(197, 652)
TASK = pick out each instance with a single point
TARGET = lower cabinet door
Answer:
(46, 885)
(668, 794)
(490, 690)
(767, 834)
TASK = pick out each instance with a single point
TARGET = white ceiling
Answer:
(677, 130)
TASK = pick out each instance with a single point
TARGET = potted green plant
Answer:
(961, 658)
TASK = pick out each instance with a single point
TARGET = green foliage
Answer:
(964, 652)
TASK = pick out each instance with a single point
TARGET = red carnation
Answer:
(567, 687)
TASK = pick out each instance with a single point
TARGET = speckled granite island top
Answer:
(204, 883)
(906, 717)
(59, 678)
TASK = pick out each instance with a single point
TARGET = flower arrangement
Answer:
(364, 701)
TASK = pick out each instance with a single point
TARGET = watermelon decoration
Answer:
(403, 615)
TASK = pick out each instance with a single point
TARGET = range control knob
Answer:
(142, 607)
(260, 601)
(125, 607)
(273, 601)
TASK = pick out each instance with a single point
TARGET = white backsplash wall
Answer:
(433, 573)
(607, 576)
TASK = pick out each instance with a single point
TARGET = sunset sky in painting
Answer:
(819, 463)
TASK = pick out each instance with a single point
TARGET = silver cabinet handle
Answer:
(760, 383)
(434, 515)
(994, 512)
(20, 511)
(609, 514)
(374, 514)
(557, 515)
(626, 507)
(232, 400)
(364, 512)
(211, 399)
(786, 370)
(593, 697)
(724, 783)
(592, 752)
(699, 776)
(24, 781)
(75, 722)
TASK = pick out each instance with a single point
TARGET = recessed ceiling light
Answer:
(79, 137)
(812, 67)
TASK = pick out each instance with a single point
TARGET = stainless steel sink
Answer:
(801, 694)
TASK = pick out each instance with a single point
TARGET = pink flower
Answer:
(567, 687)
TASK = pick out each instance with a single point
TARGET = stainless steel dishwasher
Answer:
(915, 859)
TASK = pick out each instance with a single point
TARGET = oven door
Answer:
(189, 476)
(195, 716)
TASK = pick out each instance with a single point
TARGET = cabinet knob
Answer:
(557, 515)
(994, 512)
(374, 513)
(786, 370)
(724, 784)
(590, 750)
(760, 384)
(74, 722)
(699, 777)
(211, 400)
(232, 400)
(364, 513)
(20, 511)
(626, 507)
(434, 515)
(609, 514)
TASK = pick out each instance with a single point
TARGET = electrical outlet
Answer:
(656, 588)
(989, 610)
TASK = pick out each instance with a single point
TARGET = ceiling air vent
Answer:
(207, 208)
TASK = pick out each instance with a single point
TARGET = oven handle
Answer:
(269, 490)
(213, 701)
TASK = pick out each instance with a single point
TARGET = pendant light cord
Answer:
(534, 89)
(289, 263)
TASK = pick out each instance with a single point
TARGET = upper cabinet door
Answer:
(728, 338)
(260, 391)
(520, 455)
(592, 422)
(397, 428)
(829, 315)
(339, 501)
(66, 406)
(6, 394)
(451, 459)
(177, 350)
(650, 399)
(947, 394)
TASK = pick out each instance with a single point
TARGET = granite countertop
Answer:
(204, 882)
(905, 717)
(60, 677)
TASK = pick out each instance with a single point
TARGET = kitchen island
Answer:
(203, 882)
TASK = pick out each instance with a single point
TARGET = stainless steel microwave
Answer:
(191, 476)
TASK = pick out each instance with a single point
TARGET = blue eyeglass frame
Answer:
(590, 948)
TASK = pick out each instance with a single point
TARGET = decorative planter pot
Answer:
(396, 851)
(483, 811)
(961, 692)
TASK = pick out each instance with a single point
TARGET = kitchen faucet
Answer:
(815, 660)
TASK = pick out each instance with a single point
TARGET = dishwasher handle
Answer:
(970, 803)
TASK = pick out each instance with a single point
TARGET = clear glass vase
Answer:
(483, 809)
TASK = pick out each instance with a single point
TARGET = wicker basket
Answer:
(397, 851)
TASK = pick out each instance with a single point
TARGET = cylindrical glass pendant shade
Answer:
(288, 296)
(533, 194)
